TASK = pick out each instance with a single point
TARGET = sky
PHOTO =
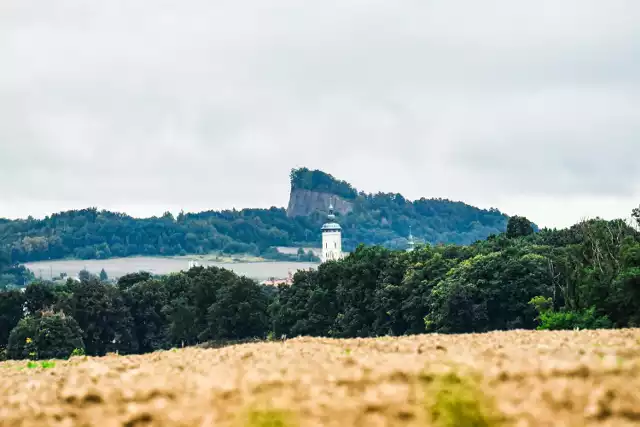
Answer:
(144, 106)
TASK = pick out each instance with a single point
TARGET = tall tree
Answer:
(240, 311)
(39, 296)
(146, 301)
(131, 279)
(104, 318)
(11, 311)
(519, 226)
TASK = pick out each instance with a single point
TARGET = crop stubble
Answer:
(520, 378)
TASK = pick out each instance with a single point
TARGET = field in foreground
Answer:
(522, 378)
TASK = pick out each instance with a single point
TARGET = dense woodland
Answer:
(380, 219)
(586, 276)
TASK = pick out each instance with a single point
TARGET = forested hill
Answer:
(386, 218)
(380, 218)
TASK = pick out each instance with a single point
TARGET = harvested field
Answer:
(520, 378)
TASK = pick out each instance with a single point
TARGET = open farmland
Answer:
(522, 378)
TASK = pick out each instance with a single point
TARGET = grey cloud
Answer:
(196, 104)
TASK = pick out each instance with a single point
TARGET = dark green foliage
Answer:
(519, 226)
(85, 276)
(103, 275)
(305, 179)
(146, 301)
(180, 310)
(39, 296)
(5, 259)
(481, 287)
(131, 279)
(490, 292)
(239, 310)
(102, 314)
(50, 336)
(12, 275)
(11, 311)
(636, 215)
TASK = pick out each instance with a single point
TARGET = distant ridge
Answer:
(372, 219)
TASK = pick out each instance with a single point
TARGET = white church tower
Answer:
(411, 242)
(331, 238)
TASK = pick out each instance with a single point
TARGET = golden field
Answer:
(519, 378)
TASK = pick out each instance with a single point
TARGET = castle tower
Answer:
(331, 238)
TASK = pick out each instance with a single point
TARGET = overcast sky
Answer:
(142, 106)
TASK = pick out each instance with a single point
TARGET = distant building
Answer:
(331, 239)
(275, 282)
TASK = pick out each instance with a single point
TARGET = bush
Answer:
(51, 336)
(562, 320)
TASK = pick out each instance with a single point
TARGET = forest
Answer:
(586, 276)
(379, 219)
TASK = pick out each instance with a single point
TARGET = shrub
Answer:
(77, 352)
(584, 319)
(454, 400)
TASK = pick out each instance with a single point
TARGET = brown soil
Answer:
(520, 378)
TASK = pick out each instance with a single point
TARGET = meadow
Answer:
(516, 378)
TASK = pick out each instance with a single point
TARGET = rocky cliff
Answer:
(304, 202)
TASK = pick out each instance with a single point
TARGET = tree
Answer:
(356, 292)
(103, 275)
(636, 215)
(103, 317)
(240, 311)
(131, 279)
(50, 336)
(490, 292)
(180, 311)
(84, 275)
(519, 226)
(11, 311)
(39, 296)
(146, 301)
(5, 259)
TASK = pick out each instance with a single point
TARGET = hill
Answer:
(383, 218)
(386, 218)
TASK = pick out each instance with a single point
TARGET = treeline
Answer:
(380, 219)
(586, 276)
(93, 234)
(139, 314)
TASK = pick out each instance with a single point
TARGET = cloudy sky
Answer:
(143, 106)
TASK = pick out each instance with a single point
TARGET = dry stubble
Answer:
(520, 378)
